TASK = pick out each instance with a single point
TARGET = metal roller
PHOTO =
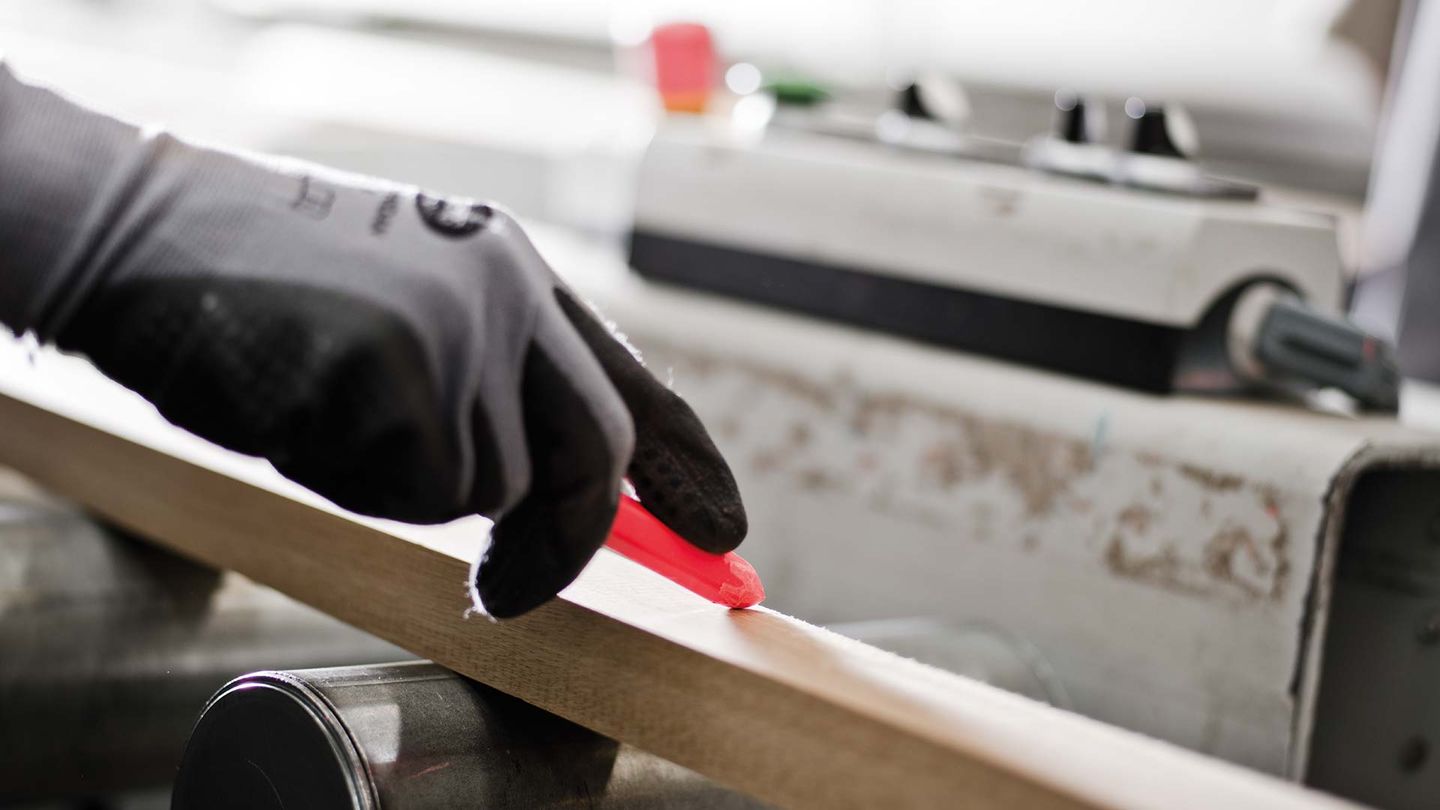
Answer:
(412, 735)
(110, 647)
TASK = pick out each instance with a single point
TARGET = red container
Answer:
(684, 66)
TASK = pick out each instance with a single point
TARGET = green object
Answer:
(797, 92)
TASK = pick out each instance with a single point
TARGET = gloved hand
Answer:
(405, 356)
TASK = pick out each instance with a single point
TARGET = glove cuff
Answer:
(62, 171)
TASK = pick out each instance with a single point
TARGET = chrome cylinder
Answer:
(412, 735)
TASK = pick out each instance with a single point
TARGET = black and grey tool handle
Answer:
(1276, 337)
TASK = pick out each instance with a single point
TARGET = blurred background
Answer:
(535, 103)
(1127, 159)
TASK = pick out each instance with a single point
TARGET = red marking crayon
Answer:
(725, 579)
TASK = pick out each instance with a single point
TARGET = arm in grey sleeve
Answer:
(60, 165)
(405, 355)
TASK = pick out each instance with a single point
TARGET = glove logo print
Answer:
(452, 218)
(314, 199)
(384, 214)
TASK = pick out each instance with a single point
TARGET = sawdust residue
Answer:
(1235, 561)
(1220, 558)
(1040, 466)
(1162, 568)
(933, 464)
(1136, 518)
(1211, 479)
(958, 450)
(814, 479)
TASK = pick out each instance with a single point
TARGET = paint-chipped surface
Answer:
(1243, 538)
(1158, 558)
(996, 481)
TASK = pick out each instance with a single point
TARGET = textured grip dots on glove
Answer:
(677, 471)
(398, 353)
(331, 389)
(579, 452)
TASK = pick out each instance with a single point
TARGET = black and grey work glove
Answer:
(404, 355)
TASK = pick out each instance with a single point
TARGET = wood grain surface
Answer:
(770, 705)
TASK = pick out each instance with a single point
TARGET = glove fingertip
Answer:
(538, 549)
(505, 588)
(708, 512)
(677, 471)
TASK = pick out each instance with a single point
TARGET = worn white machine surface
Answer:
(977, 226)
(1167, 557)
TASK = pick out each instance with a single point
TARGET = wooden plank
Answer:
(770, 705)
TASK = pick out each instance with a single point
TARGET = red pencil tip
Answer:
(745, 589)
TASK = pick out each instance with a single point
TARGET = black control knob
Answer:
(1153, 133)
(912, 103)
(934, 97)
(1075, 123)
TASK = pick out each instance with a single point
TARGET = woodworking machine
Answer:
(1131, 267)
(1221, 575)
(1251, 580)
